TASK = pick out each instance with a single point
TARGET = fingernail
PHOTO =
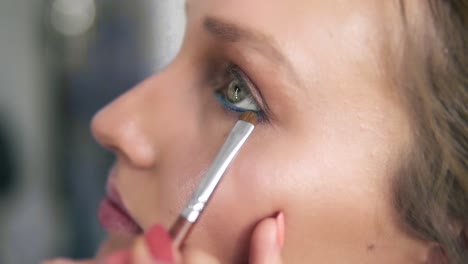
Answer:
(280, 229)
(159, 244)
(119, 257)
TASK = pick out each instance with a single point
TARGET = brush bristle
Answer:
(249, 117)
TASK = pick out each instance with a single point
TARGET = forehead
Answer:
(298, 16)
(301, 29)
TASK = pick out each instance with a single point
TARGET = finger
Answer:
(140, 253)
(159, 243)
(68, 261)
(118, 257)
(154, 247)
(267, 241)
(193, 256)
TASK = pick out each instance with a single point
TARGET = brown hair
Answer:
(431, 192)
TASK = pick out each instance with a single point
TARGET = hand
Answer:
(155, 248)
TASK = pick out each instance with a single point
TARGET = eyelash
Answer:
(235, 73)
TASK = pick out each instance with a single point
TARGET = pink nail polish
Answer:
(120, 257)
(280, 229)
(159, 244)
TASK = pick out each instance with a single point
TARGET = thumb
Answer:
(267, 241)
(155, 247)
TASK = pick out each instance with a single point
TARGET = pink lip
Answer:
(113, 215)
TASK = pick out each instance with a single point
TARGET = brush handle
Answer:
(201, 196)
(215, 172)
(180, 231)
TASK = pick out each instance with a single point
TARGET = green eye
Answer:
(236, 95)
(235, 92)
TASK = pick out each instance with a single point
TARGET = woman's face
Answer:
(325, 153)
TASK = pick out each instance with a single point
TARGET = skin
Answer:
(326, 158)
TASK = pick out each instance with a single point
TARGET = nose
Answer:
(164, 117)
(120, 127)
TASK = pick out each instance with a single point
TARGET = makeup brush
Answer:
(192, 211)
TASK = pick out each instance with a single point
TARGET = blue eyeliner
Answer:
(229, 106)
(221, 98)
(237, 75)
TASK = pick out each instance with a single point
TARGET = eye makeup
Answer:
(240, 95)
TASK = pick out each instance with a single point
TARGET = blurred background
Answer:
(60, 61)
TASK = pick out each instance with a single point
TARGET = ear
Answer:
(436, 255)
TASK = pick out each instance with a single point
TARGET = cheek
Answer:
(256, 186)
(315, 183)
(245, 196)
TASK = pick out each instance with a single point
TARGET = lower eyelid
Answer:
(260, 114)
(227, 105)
(234, 71)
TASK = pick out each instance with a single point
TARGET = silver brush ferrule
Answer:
(215, 172)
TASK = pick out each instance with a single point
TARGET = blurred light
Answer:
(73, 17)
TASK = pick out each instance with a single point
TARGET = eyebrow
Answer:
(230, 32)
(264, 44)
